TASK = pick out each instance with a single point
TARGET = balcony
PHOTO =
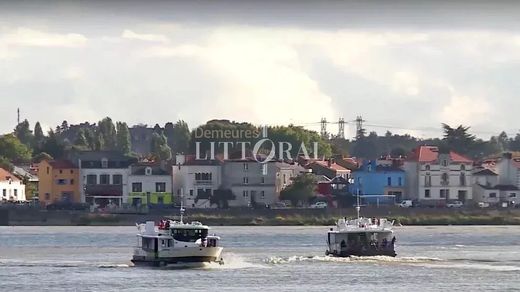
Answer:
(203, 182)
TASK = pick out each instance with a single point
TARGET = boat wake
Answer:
(353, 259)
(60, 264)
(232, 262)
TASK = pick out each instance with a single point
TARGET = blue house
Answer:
(378, 183)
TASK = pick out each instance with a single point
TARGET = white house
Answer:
(484, 190)
(196, 180)
(504, 186)
(149, 184)
(103, 176)
(11, 188)
(433, 178)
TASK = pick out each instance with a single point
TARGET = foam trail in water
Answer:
(374, 259)
(233, 261)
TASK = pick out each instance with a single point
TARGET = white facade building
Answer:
(11, 188)
(196, 180)
(435, 178)
(149, 184)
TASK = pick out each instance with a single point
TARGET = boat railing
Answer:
(364, 223)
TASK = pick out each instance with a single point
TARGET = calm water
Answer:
(262, 259)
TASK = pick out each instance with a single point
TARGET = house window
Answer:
(61, 171)
(71, 171)
(16, 193)
(444, 179)
(442, 194)
(426, 193)
(148, 171)
(48, 170)
(191, 193)
(160, 200)
(4, 192)
(137, 187)
(427, 180)
(160, 187)
(492, 195)
(400, 181)
(462, 179)
(47, 196)
(427, 167)
(512, 195)
(264, 169)
(104, 163)
(262, 194)
(117, 179)
(246, 166)
(389, 181)
(262, 180)
(245, 194)
(61, 182)
(245, 180)
(91, 179)
(104, 179)
(444, 162)
(462, 167)
(72, 181)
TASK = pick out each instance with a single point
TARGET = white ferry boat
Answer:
(175, 242)
(361, 237)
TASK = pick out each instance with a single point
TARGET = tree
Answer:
(13, 150)
(221, 198)
(41, 156)
(107, 134)
(53, 146)
(301, 190)
(178, 136)
(6, 164)
(81, 139)
(39, 138)
(458, 139)
(123, 138)
(24, 133)
(160, 149)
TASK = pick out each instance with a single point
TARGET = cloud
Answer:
(128, 34)
(34, 38)
(465, 110)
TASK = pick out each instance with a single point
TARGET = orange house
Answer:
(59, 182)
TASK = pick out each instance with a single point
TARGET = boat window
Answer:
(148, 243)
(189, 235)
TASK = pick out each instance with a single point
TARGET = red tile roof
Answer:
(333, 166)
(61, 164)
(6, 175)
(431, 154)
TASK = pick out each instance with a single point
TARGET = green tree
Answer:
(221, 198)
(39, 137)
(160, 149)
(41, 156)
(23, 133)
(53, 146)
(107, 134)
(123, 138)
(458, 139)
(178, 136)
(6, 164)
(13, 150)
(301, 190)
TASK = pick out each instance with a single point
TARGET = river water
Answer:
(455, 258)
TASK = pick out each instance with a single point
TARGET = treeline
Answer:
(27, 144)
(458, 139)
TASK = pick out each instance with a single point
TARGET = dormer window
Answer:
(148, 171)
(444, 162)
(427, 167)
(104, 163)
(462, 167)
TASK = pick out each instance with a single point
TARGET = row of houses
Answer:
(104, 178)
(430, 177)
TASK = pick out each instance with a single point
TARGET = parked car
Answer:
(455, 204)
(318, 205)
(68, 206)
(406, 204)
(483, 205)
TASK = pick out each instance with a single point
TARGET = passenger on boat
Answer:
(384, 243)
(393, 241)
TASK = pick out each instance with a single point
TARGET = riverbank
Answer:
(264, 217)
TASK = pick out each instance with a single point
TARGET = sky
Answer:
(405, 66)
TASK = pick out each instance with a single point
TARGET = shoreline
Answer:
(278, 217)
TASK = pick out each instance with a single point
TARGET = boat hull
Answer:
(363, 253)
(178, 256)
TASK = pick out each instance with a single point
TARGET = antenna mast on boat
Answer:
(358, 207)
(182, 206)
